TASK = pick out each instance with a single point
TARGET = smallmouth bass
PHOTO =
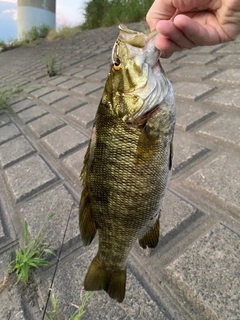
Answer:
(127, 162)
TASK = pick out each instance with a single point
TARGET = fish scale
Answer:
(127, 163)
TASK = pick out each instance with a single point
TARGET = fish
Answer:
(127, 162)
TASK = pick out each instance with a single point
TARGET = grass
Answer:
(32, 37)
(102, 13)
(51, 64)
(54, 314)
(64, 32)
(35, 34)
(7, 93)
(31, 255)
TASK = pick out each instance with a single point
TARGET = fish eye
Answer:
(117, 64)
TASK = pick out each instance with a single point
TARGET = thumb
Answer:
(160, 10)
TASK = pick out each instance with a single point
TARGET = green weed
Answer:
(54, 314)
(31, 255)
(80, 311)
(62, 33)
(7, 93)
(35, 34)
(51, 64)
(32, 37)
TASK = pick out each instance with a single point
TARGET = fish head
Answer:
(136, 82)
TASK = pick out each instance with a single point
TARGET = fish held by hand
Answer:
(127, 162)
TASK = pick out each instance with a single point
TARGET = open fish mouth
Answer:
(137, 40)
(134, 38)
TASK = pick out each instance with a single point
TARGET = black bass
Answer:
(127, 162)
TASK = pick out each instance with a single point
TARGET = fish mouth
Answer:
(135, 38)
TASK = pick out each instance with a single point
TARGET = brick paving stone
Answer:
(28, 177)
(64, 140)
(32, 114)
(84, 115)
(37, 93)
(45, 125)
(8, 132)
(226, 98)
(68, 104)
(4, 119)
(20, 82)
(99, 76)
(224, 129)
(87, 88)
(193, 73)
(70, 84)
(36, 74)
(169, 67)
(219, 180)
(185, 151)
(190, 115)
(137, 304)
(191, 91)
(97, 95)
(207, 49)
(72, 71)
(14, 150)
(232, 60)
(22, 105)
(91, 63)
(57, 80)
(14, 100)
(25, 72)
(230, 76)
(198, 59)
(53, 97)
(104, 66)
(11, 306)
(230, 48)
(57, 201)
(84, 73)
(176, 215)
(74, 162)
(177, 56)
(208, 274)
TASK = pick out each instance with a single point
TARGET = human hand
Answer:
(184, 24)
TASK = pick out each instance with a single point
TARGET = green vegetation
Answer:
(35, 34)
(51, 64)
(98, 13)
(54, 314)
(8, 46)
(31, 256)
(102, 13)
(80, 311)
(64, 32)
(32, 37)
(7, 93)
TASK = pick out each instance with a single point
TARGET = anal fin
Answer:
(151, 238)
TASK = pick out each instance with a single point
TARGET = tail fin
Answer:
(113, 282)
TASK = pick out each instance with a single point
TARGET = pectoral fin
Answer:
(151, 238)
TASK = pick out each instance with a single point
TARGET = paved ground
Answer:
(195, 270)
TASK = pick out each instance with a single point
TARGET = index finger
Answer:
(160, 10)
